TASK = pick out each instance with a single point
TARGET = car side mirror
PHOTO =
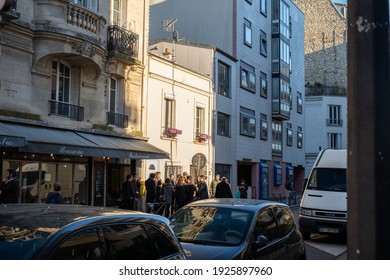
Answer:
(260, 241)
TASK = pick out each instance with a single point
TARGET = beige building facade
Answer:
(72, 78)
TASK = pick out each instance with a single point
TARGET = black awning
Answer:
(12, 141)
(67, 142)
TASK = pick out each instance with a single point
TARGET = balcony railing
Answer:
(122, 41)
(334, 122)
(82, 18)
(67, 110)
(118, 120)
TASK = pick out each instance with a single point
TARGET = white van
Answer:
(323, 207)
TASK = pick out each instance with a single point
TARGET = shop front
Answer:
(90, 167)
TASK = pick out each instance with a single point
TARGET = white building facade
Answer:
(179, 106)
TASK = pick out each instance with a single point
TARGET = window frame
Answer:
(224, 79)
(251, 122)
(299, 137)
(263, 127)
(277, 138)
(263, 7)
(263, 43)
(263, 85)
(226, 124)
(289, 135)
(169, 113)
(299, 103)
(58, 79)
(248, 78)
(247, 33)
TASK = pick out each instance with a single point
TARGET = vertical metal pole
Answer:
(368, 130)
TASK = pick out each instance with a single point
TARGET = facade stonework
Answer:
(325, 43)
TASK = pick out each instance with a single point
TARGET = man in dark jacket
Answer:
(55, 197)
(129, 193)
(10, 188)
(223, 189)
(150, 185)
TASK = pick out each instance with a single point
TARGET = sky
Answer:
(340, 1)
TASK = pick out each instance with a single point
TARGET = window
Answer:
(223, 170)
(286, 222)
(247, 122)
(223, 124)
(263, 43)
(263, 127)
(263, 7)
(264, 85)
(247, 33)
(113, 94)
(299, 103)
(172, 169)
(83, 245)
(248, 78)
(277, 138)
(60, 82)
(89, 4)
(289, 140)
(334, 117)
(116, 12)
(284, 19)
(169, 114)
(199, 120)
(166, 248)
(130, 242)
(266, 225)
(299, 137)
(223, 79)
(334, 141)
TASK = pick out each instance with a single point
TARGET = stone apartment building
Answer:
(325, 77)
(259, 96)
(72, 76)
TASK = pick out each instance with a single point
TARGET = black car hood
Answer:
(208, 252)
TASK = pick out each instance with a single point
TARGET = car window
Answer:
(83, 245)
(266, 225)
(18, 243)
(285, 220)
(210, 225)
(130, 242)
(164, 245)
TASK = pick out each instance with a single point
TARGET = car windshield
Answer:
(328, 179)
(211, 225)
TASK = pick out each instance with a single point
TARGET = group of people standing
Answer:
(174, 192)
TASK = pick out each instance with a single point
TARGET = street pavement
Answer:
(323, 247)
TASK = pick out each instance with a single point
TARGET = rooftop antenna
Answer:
(169, 26)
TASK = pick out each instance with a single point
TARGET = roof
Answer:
(244, 204)
(50, 218)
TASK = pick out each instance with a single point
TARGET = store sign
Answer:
(9, 141)
(70, 151)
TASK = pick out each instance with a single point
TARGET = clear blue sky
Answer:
(340, 1)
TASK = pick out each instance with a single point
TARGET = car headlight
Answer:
(305, 212)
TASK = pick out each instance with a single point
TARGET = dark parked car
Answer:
(238, 229)
(75, 232)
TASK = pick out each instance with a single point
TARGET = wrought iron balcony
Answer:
(67, 110)
(118, 120)
(122, 41)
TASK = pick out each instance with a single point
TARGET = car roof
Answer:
(55, 216)
(244, 204)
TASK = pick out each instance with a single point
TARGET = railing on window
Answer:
(118, 120)
(73, 112)
(122, 41)
(334, 122)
